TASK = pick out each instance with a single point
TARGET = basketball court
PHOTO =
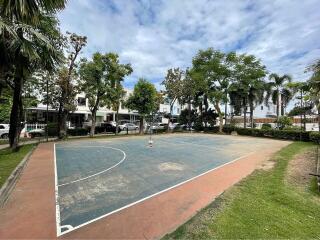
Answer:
(96, 179)
(123, 187)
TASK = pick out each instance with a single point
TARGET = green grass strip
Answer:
(9, 161)
(260, 206)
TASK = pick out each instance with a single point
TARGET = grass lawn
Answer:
(9, 161)
(261, 206)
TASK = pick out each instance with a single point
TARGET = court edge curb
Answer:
(10, 183)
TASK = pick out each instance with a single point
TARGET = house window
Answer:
(178, 110)
(261, 108)
(81, 101)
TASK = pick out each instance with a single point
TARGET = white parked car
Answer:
(128, 126)
(37, 133)
(4, 131)
(158, 126)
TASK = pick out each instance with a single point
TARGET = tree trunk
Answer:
(62, 124)
(278, 112)
(141, 125)
(244, 114)
(169, 117)
(93, 122)
(206, 106)
(117, 121)
(225, 113)
(319, 119)
(251, 115)
(15, 116)
(216, 106)
(189, 115)
(201, 113)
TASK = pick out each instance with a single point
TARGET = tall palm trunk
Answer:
(15, 115)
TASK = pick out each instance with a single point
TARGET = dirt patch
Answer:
(267, 165)
(170, 166)
(300, 167)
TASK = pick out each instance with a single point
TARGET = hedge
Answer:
(315, 137)
(272, 133)
(78, 132)
(52, 129)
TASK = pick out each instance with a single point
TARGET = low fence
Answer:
(32, 126)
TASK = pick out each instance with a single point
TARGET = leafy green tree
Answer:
(173, 85)
(187, 96)
(188, 116)
(247, 87)
(211, 72)
(5, 106)
(314, 87)
(29, 40)
(101, 81)
(284, 122)
(143, 99)
(279, 92)
(117, 98)
(301, 89)
(67, 81)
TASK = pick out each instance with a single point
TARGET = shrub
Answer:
(213, 129)
(272, 133)
(295, 128)
(266, 126)
(229, 128)
(78, 132)
(315, 137)
(198, 125)
(52, 129)
(284, 121)
(99, 129)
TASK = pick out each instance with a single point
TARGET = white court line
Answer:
(148, 197)
(58, 229)
(98, 173)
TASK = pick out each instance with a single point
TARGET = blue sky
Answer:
(157, 35)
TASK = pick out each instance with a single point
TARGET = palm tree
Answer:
(255, 97)
(279, 92)
(314, 84)
(29, 40)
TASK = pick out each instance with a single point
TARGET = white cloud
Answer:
(157, 35)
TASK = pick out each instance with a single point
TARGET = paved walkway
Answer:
(30, 210)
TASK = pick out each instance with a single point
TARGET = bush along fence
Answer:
(270, 133)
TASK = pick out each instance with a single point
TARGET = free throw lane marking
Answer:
(98, 173)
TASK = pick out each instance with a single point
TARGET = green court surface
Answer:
(97, 178)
